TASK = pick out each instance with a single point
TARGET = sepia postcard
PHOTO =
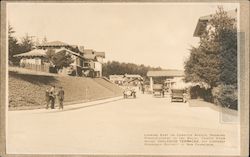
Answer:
(124, 78)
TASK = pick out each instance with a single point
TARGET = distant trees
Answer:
(214, 61)
(114, 67)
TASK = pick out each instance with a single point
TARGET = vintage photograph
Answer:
(123, 78)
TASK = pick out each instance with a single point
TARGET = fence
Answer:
(42, 67)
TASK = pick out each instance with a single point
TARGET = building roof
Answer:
(230, 13)
(133, 75)
(100, 54)
(89, 56)
(202, 22)
(116, 76)
(54, 43)
(166, 73)
(32, 53)
(92, 54)
(41, 52)
(69, 51)
(88, 51)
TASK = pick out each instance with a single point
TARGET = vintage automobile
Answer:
(158, 90)
(178, 95)
(129, 92)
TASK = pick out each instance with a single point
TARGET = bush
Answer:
(200, 92)
(226, 96)
(194, 92)
(207, 96)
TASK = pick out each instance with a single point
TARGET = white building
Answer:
(117, 79)
(126, 79)
(37, 59)
(93, 62)
(85, 61)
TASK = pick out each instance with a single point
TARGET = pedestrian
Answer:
(60, 95)
(47, 98)
(143, 89)
(52, 96)
(163, 90)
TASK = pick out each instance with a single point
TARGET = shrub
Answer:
(200, 92)
(194, 92)
(226, 96)
(207, 95)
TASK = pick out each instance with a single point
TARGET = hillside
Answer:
(27, 91)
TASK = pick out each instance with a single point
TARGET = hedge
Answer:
(226, 96)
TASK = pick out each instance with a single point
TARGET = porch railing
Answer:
(36, 67)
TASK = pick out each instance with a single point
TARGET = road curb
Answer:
(90, 103)
(73, 106)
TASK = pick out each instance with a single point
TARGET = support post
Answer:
(151, 84)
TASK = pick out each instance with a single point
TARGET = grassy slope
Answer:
(114, 88)
(27, 91)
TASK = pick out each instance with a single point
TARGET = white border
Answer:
(126, 3)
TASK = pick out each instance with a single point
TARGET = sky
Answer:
(155, 34)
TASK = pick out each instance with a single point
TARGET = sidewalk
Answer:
(74, 106)
(226, 115)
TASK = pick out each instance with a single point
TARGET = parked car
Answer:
(178, 95)
(128, 92)
(158, 90)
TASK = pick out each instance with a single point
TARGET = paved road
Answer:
(117, 127)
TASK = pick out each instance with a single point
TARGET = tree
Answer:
(13, 45)
(37, 42)
(60, 59)
(202, 67)
(49, 55)
(27, 43)
(214, 61)
(44, 40)
(225, 35)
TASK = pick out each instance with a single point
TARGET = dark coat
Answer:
(60, 94)
(47, 95)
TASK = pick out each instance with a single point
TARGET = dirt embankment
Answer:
(27, 91)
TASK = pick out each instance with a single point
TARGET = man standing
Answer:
(142, 88)
(60, 95)
(52, 96)
(47, 98)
